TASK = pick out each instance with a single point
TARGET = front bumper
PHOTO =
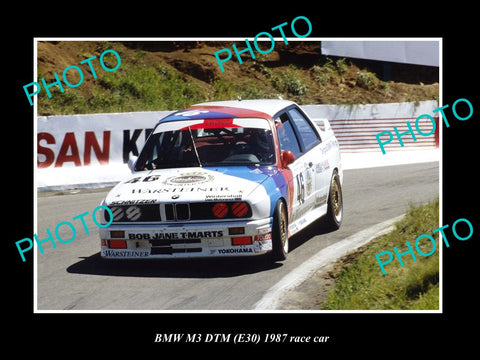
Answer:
(218, 239)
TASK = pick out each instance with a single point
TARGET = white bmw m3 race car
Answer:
(229, 178)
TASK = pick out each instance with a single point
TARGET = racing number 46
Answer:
(301, 188)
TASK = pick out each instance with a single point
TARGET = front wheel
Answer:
(280, 232)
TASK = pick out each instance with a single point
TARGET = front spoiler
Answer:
(159, 241)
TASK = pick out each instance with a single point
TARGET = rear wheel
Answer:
(334, 215)
(280, 232)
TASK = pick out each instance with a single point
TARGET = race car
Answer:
(228, 178)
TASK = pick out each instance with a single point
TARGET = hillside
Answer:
(167, 75)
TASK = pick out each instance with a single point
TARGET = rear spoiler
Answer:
(324, 126)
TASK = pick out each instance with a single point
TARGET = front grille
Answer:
(177, 212)
(180, 212)
(169, 212)
(183, 211)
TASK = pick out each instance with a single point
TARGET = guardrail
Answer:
(355, 126)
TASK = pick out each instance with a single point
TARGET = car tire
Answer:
(334, 216)
(280, 232)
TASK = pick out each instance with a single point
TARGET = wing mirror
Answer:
(287, 158)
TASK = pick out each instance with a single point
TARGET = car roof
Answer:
(264, 108)
(267, 106)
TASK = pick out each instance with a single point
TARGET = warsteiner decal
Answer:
(181, 189)
(125, 253)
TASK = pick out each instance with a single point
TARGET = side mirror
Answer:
(287, 158)
(132, 159)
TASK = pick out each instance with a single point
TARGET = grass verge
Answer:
(415, 286)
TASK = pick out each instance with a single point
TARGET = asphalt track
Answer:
(72, 276)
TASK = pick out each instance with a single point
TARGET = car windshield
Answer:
(208, 142)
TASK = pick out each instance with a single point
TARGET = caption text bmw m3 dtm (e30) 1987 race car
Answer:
(229, 178)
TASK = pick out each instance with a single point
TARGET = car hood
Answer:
(189, 185)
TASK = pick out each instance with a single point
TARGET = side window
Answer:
(286, 135)
(308, 136)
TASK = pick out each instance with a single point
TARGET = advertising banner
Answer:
(89, 150)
